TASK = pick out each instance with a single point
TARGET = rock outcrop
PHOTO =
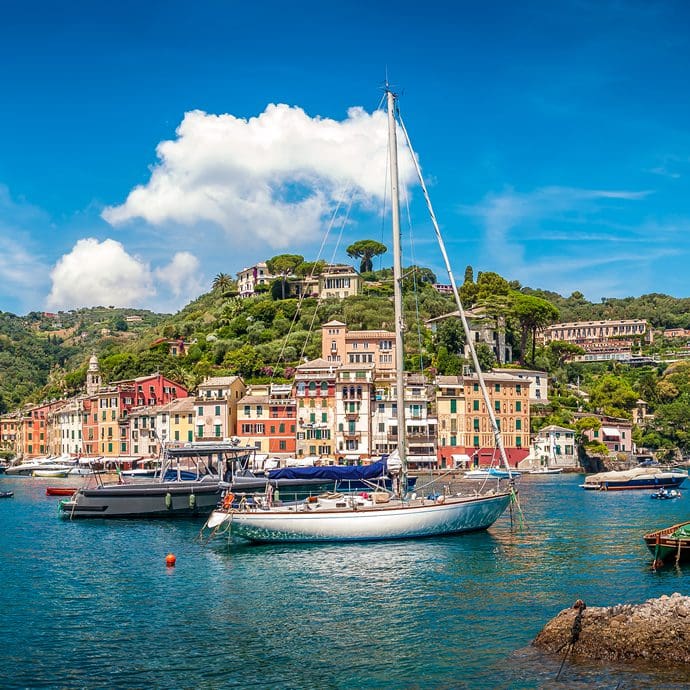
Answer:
(657, 630)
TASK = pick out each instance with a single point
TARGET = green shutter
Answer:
(453, 405)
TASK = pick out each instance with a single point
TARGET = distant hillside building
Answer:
(600, 336)
(336, 281)
(248, 279)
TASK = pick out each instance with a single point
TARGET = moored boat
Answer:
(381, 515)
(546, 470)
(6, 494)
(664, 494)
(190, 483)
(491, 473)
(670, 544)
(638, 478)
(60, 490)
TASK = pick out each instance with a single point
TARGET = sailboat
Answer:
(375, 516)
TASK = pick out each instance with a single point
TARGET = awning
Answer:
(610, 431)
(422, 458)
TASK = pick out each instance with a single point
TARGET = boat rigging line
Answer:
(498, 440)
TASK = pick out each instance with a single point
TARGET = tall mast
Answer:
(397, 292)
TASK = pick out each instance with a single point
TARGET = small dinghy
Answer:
(6, 494)
(60, 490)
(664, 493)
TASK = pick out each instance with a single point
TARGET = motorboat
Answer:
(664, 494)
(6, 494)
(491, 473)
(45, 464)
(637, 478)
(190, 482)
(545, 470)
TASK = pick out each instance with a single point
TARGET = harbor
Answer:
(458, 611)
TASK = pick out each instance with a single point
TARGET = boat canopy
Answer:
(336, 472)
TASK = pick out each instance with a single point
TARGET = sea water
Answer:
(91, 604)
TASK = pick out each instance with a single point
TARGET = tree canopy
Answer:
(366, 250)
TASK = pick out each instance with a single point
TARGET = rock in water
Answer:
(657, 630)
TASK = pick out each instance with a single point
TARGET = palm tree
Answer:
(222, 282)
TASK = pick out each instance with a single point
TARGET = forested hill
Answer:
(40, 347)
(44, 356)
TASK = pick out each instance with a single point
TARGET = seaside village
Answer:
(340, 408)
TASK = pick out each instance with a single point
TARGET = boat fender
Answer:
(227, 501)
(440, 500)
(168, 500)
(192, 501)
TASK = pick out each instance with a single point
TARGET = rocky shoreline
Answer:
(657, 630)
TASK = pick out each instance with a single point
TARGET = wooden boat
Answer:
(6, 494)
(669, 545)
(60, 490)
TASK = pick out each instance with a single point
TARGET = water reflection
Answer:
(445, 613)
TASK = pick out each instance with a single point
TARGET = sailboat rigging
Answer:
(379, 516)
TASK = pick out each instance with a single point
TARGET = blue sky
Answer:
(554, 138)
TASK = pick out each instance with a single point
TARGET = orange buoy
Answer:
(170, 560)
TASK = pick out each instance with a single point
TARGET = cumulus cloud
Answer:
(99, 273)
(104, 273)
(271, 179)
(180, 278)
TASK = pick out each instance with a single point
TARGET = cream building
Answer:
(248, 279)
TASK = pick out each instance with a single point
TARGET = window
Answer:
(497, 387)
(177, 435)
(217, 410)
(475, 405)
(518, 406)
(123, 447)
(476, 387)
(518, 389)
(217, 430)
(282, 445)
(497, 405)
(453, 405)
(518, 442)
(281, 428)
(475, 424)
(200, 430)
(475, 441)
(518, 424)
(259, 410)
(190, 434)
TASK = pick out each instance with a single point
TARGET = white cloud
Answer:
(104, 273)
(99, 273)
(270, 180)
(181, 279)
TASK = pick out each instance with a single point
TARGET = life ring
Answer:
(227, 501)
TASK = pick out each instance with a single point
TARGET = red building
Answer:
(266, 419)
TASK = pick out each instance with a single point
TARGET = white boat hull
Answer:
(405, 521)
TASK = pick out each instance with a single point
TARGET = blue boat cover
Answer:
(334, 472)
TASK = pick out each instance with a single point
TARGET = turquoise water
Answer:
(91, 604)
